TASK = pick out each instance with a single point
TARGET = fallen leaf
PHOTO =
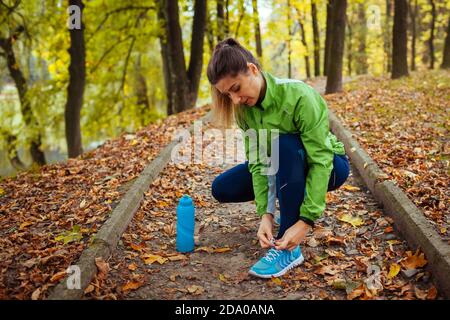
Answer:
(414, 261)
(58, 276)
(177, 257)
(393, 270)
(70, 236)
(24, 225)
(132, 266)
(222, 250)
(277, 281)
(132, 285)
(355, 221)
(358, 291)
(150, 258)
(421, 294)
(89, 289)
(36, 293)
(350, 188)
(432, 293)
(102, 265)
(173, 277)
(222, 277)
(194, 289)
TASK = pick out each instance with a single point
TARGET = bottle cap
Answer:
(186, 200)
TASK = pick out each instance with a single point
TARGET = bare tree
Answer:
(336, 54)
(181, 84)
(446, 55)
(257, 29)
(399, 40)
(432, 29)
(316, 38)
(329, 32)
(75, 89)
(20, 81)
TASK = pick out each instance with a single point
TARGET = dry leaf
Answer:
(150, 258)
(350, 188)
(102, 265)
(25, 224)
(58, 276)
(194, 289)
(393, 270)
(36, 293)
(89, 289)
(132, 266)
(177, 257)
(132, 285)
(414, 261)
(355, 221)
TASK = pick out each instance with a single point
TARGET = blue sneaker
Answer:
(276, 263)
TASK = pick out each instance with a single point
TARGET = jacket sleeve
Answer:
(311, 117)
(263, 185)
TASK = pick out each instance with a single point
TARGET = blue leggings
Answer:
(235, 184)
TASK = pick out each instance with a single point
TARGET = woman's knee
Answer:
(217, 190)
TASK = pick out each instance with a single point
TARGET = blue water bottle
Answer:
(185, 224)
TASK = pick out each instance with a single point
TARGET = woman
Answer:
(311, 161)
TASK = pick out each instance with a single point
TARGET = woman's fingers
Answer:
(265, 243)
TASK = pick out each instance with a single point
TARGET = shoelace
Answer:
(272, 254)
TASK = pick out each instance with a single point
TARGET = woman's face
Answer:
(244, 88)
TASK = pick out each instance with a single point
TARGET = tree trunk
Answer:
(334, 73)
(399, 40)
(316, 39)
(446, 55)
(241, 17)
(220, 21)
(11, 149)
(304, 43)
(388, 36)
(349, 50)
(181, 85)
(328, 36)
(361, 65)
(141, 91)
(196, 56)
(209, 32)
(75, 89)
(16, 74)
(432, 28)
(257, 30)
(413, 15)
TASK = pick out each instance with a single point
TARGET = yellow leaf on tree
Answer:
(350, 188)
(354, 221)
(150, 258)
(393, 270)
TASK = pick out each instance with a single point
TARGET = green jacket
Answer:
(292, 106)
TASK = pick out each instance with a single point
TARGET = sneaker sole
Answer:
(293, 264)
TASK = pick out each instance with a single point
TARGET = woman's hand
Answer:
(265, 231)
(293, 236)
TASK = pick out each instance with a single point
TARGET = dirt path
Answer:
(364, 258)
